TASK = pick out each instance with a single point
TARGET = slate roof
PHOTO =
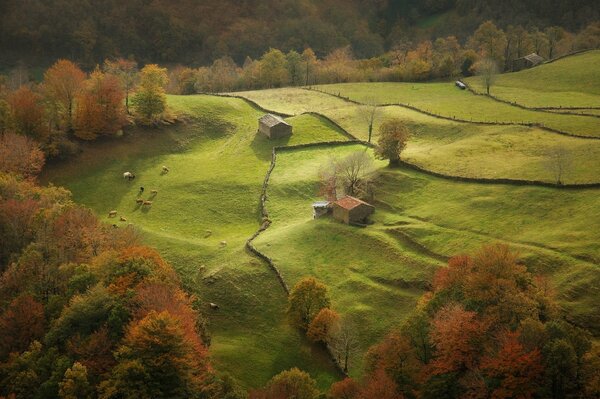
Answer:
(534, 58)
(350, 202)
(271, 120)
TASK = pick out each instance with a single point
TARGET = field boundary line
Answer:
(550, 110)
(356, 140)
(458, 120)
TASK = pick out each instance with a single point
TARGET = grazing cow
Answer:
(165, 169)
(139, 201)
(223, 243)
(122, 219)
(128, 176)
(141, 189)
(112, 214)
(154, 192)
(147, 203)
(115, 226)
(214, 306)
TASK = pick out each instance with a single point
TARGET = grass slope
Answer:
(515, 152)
(572, 81)
(217, 167)
(376, 274)
(446, 100)
(372, 276)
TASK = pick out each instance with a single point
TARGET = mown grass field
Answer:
(515, 152)
(447, 100)
(217, 166)
(569, 82)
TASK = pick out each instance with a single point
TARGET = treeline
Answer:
(440, 59)
(70, 105)
(487, 329)
(196, 33)
(87, 311)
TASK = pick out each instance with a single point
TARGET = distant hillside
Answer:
(197, 32)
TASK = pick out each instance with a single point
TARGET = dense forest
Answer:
(196, 33)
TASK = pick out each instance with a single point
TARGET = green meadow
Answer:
(486, 151)
(573, 81)
(207, 206)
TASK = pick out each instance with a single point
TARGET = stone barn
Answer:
(274, 127)
(529, 61)
(351, 210)
(321, 208)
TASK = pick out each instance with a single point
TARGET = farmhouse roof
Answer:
(272, 120)
(534, 58)
(350, 202)
(321, 204)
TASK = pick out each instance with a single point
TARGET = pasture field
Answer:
(217, 166)
(481, 151)
(573, 81)
(446, 100)
(376, 273)
(207, 206)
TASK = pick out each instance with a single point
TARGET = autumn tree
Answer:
(150, 100)
(393, 136)
(62, 84)
(306, 299)
(309, 60)
(345, 389)
(487, 70)
(379, 385)
(128, 74)
(516, 371)
(323, 326)
(292, 383)
(21, 323)
(20, 155)
(100, 110)
(155, 360)
(553, 35)
(28, 113)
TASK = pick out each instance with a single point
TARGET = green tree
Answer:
(290, 384)
(306, 299)
(295, 67)
(490, 42)
(393, 135)
(75, 385)
(150, 100)
(274, 69)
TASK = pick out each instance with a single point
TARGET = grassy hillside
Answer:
(515, 152)
(207, 207)
(217, 166)
(569, 82)
(376, 274)
(447, 100)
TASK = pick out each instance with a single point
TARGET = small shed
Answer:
(351, 210)
(321, 208)
(274, 127)
(529, 61)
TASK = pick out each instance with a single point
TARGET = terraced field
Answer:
(475, 151)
